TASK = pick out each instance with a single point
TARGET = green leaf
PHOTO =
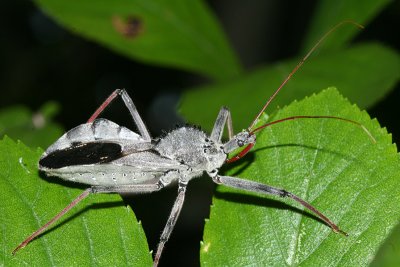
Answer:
(34, 129)
(329, 163)
(364, 73)
(175, 33)
(388, 254)
(100, 231)
(329, 13)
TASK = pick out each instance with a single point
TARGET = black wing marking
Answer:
(82, 154)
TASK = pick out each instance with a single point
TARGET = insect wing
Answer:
(98, 130)
(82, 154)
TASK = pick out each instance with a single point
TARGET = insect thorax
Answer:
(192, 147)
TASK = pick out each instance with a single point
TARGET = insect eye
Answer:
(240, 143)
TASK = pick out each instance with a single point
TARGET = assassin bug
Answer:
(113, 159)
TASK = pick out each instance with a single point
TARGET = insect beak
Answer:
(245, 138)
(241, 154)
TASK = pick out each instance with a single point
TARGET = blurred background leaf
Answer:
(36, 129)
(349, 69)
(327, 13)
(174, 33)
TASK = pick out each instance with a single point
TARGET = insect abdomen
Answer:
(107, 175)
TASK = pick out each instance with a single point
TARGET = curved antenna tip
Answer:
(368, 133)
(338, 231)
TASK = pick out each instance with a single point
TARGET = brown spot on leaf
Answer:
(129, 27)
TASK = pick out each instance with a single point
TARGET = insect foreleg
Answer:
(173, 217)
(132, 110)
(224, 117)
(266, 189)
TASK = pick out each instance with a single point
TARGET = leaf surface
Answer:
(388, 254)
(100, 231)
(329, 163)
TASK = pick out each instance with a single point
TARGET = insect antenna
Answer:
(250, 129)
(299, 65)
(243, 152)
(315, 117)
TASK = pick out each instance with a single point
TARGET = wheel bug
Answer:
(113, 159)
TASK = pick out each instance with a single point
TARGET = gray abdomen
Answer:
(107, 175)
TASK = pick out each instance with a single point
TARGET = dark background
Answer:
(40, 61)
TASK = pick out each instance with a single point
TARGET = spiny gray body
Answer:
(114, 159)
(185, 153)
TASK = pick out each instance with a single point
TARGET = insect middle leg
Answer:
(173, 217)
(169, 226)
